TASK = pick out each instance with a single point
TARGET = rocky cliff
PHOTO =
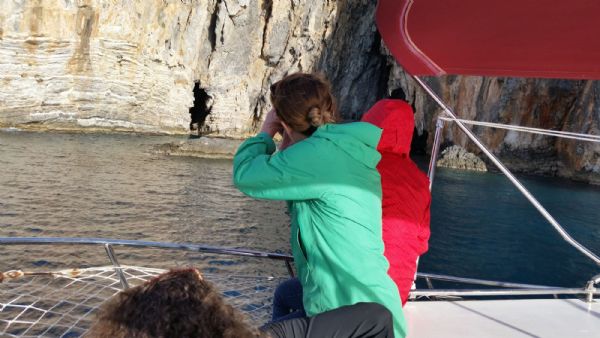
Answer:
(549, 104)
(134, 65)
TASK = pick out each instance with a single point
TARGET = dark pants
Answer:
(365, 320)
(287, 301)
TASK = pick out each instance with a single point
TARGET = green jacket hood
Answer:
(358, 139)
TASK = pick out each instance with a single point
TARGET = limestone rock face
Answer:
(132, 65)
(97, 64)
(457, 157)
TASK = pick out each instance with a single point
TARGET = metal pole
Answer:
(499, 292)
(439, 126)
(591, 289)
(429, 283)
(289, 268)
(118, 270)
(429, 276)
(143, 244)
(508, 174)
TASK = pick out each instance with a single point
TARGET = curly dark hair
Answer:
(178, 303)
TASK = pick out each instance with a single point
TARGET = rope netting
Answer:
(62, 303)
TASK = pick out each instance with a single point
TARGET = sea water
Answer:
(117, 186)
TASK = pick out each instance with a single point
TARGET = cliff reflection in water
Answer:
(115, 186)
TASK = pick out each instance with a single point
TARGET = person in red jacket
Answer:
(406, 196)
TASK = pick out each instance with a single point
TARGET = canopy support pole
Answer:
(508, 174)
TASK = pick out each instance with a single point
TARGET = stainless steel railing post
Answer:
(439, 127)
(111, 255)
(591, 289)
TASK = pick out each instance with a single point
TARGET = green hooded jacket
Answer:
(333, 191)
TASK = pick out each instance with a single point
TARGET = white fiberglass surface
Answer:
(503, 318)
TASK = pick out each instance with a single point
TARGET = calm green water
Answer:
(115, 186)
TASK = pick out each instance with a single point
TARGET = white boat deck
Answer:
(503, 318)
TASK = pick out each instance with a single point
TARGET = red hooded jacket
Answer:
(406, 196)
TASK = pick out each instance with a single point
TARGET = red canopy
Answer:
(516, 38)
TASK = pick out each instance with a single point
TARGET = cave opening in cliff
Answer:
(200, 111)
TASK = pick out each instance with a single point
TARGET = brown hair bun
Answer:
(304, 101)
(315, 118)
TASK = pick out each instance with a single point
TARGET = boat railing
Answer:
(507, 289)
(432, 276)
(58, 294)
(502, 288)
(449, 115)
(109, 244)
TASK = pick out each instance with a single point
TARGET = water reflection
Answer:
(114, 186)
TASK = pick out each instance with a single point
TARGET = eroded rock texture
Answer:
(132, 66)
(98, 64)
(549, 104)
(457, 157)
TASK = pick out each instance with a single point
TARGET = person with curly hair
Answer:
(181, 303)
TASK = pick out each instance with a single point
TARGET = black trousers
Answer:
(365, 320)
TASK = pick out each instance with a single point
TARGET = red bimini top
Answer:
(514, 38)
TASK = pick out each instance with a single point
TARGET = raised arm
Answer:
(286, 175)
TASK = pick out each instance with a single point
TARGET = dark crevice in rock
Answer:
(222, 35)
(418, 145)
(352, 60)
(200, 111)
(267, 8)
(376, 45)
(256, 116)
(212, 27)
(261, 102)
(398, 94)
(189, 18)
(384, 67)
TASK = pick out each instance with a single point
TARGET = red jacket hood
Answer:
(396, 118)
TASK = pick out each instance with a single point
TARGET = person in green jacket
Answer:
(327, 173)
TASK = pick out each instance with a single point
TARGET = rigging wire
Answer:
(547, 132)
